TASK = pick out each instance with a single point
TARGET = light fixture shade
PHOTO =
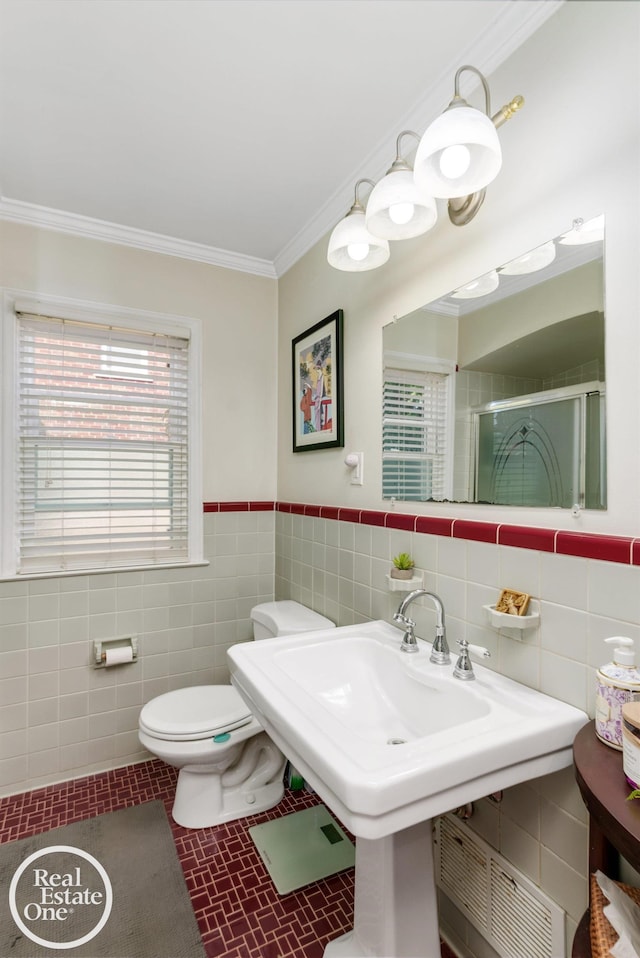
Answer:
(459, 154)
(397, 209)
(582, 233)
(478, 287)
(532, 261)
(353, 248)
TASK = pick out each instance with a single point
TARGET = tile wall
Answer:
(59, 717)
(337, 561)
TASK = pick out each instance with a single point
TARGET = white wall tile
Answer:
(563, 580)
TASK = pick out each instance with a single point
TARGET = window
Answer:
(103, 439)
(416, 433)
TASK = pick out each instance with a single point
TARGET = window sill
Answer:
(110, 570)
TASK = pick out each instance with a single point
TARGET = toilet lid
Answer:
(195, 713)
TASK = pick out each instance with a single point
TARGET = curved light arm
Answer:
(485, 86)
(357, 205)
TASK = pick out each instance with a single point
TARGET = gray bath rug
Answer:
(303, 847)
(107, 887)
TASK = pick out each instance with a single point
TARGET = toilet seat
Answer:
(194, 713)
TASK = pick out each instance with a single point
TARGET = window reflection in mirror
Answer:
(495, 393)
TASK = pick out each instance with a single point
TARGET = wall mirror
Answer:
(495, 393)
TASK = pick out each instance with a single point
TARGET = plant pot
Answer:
(401, 573)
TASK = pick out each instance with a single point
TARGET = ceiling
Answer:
(230, 131)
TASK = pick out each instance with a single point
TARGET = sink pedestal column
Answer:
(395, 899)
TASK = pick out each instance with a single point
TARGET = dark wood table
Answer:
(614, 823)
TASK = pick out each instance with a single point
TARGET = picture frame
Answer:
(317, 386)
(512, 602)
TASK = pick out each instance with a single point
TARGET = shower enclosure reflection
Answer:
(496, 392)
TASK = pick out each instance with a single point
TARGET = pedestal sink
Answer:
(390, 741)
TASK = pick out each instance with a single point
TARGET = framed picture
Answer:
(318, 421)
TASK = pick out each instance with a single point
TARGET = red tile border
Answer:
(527, 537)
(370, 517)
(396, 520)
(476, 531)
(434, 525)
(592, 546)
(349, 515)
(588, 545)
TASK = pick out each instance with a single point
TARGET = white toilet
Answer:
(229, 767)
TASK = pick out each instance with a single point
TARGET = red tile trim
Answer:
(369, 517)
(623, 549)
(434, 525)
(591, 546)
(525, 537)
(348, 515)
(400, 521)
(476, 531)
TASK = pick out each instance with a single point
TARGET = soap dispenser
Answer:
(618, 682)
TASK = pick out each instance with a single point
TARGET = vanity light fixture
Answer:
(351, 246)
(456, 158)
(532, 261)
(478, 287)
(582, 233)
(397, 207)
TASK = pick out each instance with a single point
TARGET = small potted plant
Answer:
(403, 566)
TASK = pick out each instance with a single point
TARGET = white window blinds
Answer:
(415, 453)
(102, 456)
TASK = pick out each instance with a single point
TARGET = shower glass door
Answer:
(531, 452)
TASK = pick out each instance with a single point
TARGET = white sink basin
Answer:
(389, 739)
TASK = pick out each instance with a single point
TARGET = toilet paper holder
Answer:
(101, 647)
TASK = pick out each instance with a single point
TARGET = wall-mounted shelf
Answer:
(405, 585)
(501, 620)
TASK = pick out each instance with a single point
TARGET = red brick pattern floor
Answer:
(239, 911)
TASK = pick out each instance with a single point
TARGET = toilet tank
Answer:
(286, 618)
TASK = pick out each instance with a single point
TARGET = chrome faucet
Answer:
(440, 651)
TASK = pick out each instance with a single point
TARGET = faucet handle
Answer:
(478, 650)
(463, 668)
(399, 617)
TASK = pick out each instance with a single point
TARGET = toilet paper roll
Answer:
(118, 655)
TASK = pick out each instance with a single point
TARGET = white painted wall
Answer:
(239, 317)
(572, 151)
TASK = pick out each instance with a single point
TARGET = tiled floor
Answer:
(239, 911)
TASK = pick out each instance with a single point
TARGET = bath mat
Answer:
(106, 887)
(303, 847)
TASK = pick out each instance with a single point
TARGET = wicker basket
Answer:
(603, 936)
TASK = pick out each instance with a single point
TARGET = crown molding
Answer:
(60, 221)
